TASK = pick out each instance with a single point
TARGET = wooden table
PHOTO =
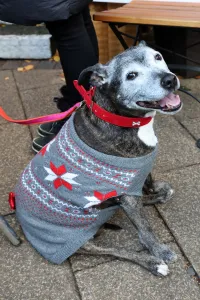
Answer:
(154, 13)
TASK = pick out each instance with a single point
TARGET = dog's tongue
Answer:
(170, 100)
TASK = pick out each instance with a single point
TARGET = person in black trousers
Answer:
(69, 22)
(77, 45)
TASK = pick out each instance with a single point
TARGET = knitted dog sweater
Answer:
(58, 193)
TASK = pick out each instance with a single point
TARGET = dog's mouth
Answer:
(170, 103)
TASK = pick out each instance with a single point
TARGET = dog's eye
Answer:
(158, 57)
(132, 75)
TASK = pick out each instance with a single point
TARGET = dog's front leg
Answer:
(155, 265)
(133, 208)
(156, 191)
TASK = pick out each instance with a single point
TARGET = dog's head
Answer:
(137, 79)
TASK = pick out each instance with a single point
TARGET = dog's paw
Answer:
(158, 268)
(162, 269)
(164, 253)
(162, 190)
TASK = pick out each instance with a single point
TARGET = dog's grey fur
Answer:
(118, 94)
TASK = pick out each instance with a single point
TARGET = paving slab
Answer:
(182, 214)
(9, 98)
(11, 64)
(46, 64)
(15, 149)
(58, 66)
(25, 275)
(37, 78)
(33, 62)
(120, 280)
(39, 101)
(127, 237)
(176, 147)
(191, 108)
(193, 126)
(2, 62)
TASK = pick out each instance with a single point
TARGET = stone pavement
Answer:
(24, 275)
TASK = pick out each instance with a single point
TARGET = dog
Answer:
(92, 168)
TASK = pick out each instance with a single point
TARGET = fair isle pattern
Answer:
(91, 166)
(40, 197)
(35, 207)
(59, 192)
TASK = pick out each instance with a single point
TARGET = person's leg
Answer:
(91, 30)
(76, 52)
(77, 45)
(93, 37)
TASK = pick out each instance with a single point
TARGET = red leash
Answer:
(42, 119)
(96, 109)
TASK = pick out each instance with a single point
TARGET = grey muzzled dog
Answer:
(136, 83)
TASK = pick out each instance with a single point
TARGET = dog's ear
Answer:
(142, 44)
(95, 75)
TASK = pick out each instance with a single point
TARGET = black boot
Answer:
(40, 142)
(49, 130)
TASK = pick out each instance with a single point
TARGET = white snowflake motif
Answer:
(92, 201)
(99, 197)
(60, 176)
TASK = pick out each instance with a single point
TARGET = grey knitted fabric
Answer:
(57, 192)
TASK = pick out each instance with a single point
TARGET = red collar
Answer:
(106, 115)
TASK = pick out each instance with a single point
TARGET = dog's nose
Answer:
(169, 81)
